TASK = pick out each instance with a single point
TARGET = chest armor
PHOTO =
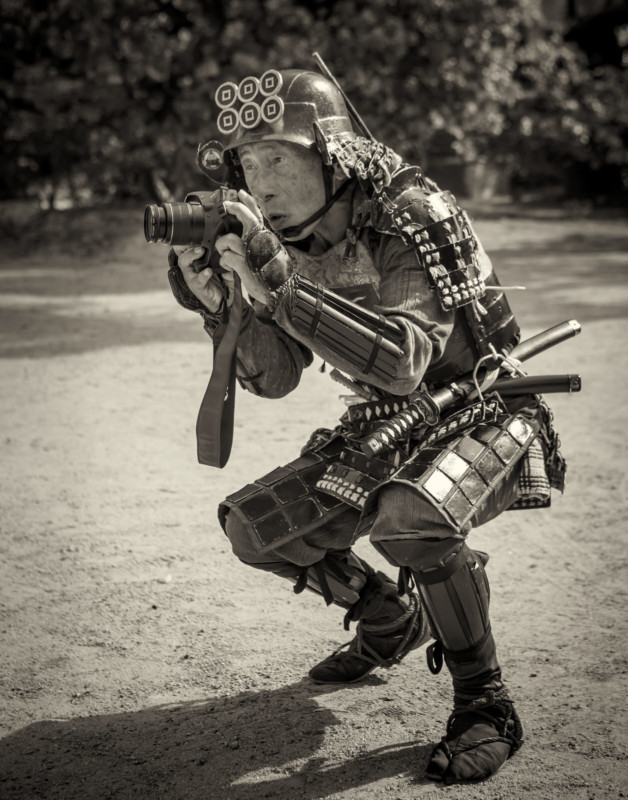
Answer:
(346, 268)
(456, 266)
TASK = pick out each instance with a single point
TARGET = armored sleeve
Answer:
(269, 361)
(390, 348)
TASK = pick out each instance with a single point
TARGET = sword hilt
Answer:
(427, 407)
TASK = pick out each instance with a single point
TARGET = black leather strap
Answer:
(214, 425)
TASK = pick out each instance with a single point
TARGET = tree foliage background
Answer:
(110, 98)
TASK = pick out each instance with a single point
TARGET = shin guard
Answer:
(456, 599)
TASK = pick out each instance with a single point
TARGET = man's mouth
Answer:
(276, 221)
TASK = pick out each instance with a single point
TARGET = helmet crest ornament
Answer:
(258, 99)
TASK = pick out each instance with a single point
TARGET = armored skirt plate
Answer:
(455, 475)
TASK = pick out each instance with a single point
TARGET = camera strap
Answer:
(214, 425)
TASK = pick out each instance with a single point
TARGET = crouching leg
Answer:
(483, 730)
(388, 625)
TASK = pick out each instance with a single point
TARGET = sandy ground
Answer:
(140, 659)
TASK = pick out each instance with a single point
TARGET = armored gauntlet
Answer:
(372, 344)
(270, 264)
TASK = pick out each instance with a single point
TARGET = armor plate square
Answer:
(243, 493)
(506, 447)
(274, 527)
(453, 466)
(438, 485)
(468, 448)
(520, 430)
(458, 507)
(304, 512)
(312, 474)
(307, 460)
(258, 505)
(486, 433)
(290, 489)
(489, 466)
(473, 486)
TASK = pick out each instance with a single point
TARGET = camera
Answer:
(199, 220)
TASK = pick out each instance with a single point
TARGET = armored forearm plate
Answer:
(368, 341)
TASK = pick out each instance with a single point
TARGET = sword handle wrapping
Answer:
(423, 409)
(402, 423)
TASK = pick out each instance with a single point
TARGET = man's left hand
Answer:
(231, 247)
(233, 251)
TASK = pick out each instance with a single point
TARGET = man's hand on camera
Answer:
(231, 247)
(204, 284)
(258, 256)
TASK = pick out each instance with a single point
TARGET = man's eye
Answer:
(278, 160)
(248, 167)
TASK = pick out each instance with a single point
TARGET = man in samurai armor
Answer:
(351, 254)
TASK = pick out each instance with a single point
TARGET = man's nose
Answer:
(264, 187)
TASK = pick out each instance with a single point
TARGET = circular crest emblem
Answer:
(250, 115)
(227, 120)
(270, 82)
(212, 159)
(248, 89)
(226, 94)
(272, 109)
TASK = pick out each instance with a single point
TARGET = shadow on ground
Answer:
(246, 747)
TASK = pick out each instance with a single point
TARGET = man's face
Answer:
(286, 181)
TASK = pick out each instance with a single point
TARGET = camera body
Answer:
(199, 220)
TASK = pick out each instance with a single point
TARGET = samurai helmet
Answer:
(291, 105)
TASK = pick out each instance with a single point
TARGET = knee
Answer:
(240, 536)
(419, 554)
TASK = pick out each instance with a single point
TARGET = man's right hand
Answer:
(204, 284)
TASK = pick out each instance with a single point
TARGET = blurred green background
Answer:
(108, 100)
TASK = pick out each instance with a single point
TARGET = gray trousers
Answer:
(403, 518)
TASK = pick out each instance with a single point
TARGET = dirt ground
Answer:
(140, 659)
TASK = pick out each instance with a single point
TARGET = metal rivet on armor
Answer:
(226, 95)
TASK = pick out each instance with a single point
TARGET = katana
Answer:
(426, 408)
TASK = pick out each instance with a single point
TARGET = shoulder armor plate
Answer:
(439, 232)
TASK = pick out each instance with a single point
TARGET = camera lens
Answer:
(155, 225)
(174, 223)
